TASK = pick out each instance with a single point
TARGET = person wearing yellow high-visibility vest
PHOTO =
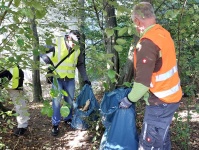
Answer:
(156, 79)
(66, 74)
(14, 86)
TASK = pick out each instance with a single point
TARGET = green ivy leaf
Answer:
(109, 32)
(40, 14)
(28, 12)
(118, 48)
(64, 111)
(127, 84)
(111, 74)
(64, 93)
(38, 6)
(15, 19)
(122, 31)
(109, 55)
(17, 2)
(54, 93)
(20, 42)
(121, 41)
(46, 110)
(105, 85)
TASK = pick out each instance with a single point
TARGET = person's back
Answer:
(14, 78)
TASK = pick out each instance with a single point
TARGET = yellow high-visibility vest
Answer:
(14, 82)
(68, 66)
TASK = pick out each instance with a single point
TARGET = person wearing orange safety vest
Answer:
(65, 74)
(12, 80)
(156, 79)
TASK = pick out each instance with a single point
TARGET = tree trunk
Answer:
(82, 36)
(110, 42)
(37, 91)
(127, 73)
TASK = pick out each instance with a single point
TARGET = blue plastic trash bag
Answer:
(120, 124)
(86, 109)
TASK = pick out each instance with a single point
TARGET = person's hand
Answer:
(87, 82)
(125, 103)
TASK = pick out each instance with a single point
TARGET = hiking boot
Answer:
(68, 122)
(20, 131)
(55, 131)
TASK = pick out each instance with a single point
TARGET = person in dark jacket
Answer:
(12, 80)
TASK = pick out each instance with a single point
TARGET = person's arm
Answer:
(146, 61)
(81, 67)
(51, 49)
(4, 74)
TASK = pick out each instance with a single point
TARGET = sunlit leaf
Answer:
(118, 48)
(40, 14)
(122, 31)
(121, 41)
(111, 74)
(64, 111)
(109, 32)
(20, 42)
(17, 2)
(38, 6)
(64, 93)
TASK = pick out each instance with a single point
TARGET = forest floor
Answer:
(38, 135)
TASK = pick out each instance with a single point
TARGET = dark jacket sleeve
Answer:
(81, 67)
(51, 49)
(5, 74)
(147, 58)
(9, 76)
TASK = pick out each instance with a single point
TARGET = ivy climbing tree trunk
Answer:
(111, 22)
(37, 91)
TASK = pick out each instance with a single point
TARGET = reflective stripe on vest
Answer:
(169, 92)
(165, 76)
(68, 66)
(14, 82)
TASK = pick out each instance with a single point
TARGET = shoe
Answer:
(20, 131)
(55, 131)
(68, 122)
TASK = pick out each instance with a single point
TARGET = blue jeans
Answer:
(155, 130)
(68, 86)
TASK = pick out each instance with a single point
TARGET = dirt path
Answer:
(38, 136)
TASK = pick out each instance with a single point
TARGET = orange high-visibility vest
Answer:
(165, 84)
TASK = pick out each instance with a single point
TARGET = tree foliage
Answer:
(179, 17)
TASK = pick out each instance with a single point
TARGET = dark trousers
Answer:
(155, 130)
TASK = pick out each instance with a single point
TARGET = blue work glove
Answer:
(125, 103)
(87, 82)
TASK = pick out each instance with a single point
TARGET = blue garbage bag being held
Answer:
(120, 124)
(86, 109)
